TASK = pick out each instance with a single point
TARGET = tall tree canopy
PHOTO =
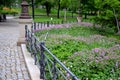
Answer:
(7, 3)
(106, 12)
(109, 13)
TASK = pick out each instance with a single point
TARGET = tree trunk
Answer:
(79, 12)
(58, 14)
(48, 9)
(118, 32)
(65, 15)
(85, 15)
(117, 22)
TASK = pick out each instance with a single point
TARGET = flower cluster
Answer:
(66, 25)
(89, 56)
(7, 10)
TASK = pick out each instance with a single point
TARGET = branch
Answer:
(116, 19)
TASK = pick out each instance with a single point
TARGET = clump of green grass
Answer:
(52, 18)
(45, 18)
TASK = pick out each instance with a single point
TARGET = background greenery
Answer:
(91, 52)
(105, 12)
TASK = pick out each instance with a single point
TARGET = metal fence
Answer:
(46, 24)
(51, 68)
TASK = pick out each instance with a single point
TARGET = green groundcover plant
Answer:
(90, 54)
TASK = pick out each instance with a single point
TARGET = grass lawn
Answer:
(53, 12)
(89, 53)
(45, 18)
(41, 15)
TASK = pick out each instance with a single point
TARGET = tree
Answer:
(3, 8)
(58, 13)
(65, 4)
(79, 11)
(48, 5)
(87, 7)
(73, 8)
(7, 3)
(108, 13)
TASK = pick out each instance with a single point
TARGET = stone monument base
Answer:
(21, 41)
(22, 23)
(25, 21)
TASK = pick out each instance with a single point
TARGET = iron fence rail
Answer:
(51, 68)
(47, 24)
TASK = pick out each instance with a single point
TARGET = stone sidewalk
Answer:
(12, 63)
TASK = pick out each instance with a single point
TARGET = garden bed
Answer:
(89, 53)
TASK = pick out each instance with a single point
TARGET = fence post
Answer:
(31, 43)
(32, 28)
(35, 50)
(50, 22)
(47, 23)
(38, 25)
(26, 33)
(44, 25)
(54, 70)
(41, 25)
(42, 61)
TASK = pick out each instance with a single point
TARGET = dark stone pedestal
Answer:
(22, 23)
(24, 11)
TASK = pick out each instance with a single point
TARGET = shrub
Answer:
(7, 10)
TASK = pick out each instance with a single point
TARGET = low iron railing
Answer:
(51, 68)
(47, 24)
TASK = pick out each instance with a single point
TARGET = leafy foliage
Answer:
(47, 3)
(84, 51)
(7, 3)
(7, 10)
(106, 14)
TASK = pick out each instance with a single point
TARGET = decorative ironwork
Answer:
(47, 24)
(51, 68)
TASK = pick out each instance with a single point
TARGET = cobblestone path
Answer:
(12, 64)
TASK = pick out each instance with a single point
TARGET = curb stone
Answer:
(32, 68)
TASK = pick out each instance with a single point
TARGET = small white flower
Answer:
(51, 18)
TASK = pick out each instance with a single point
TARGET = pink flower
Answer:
(102, 54)
(96, 50)
(96, 61)
(117, 64)
(68, 75)
(106, 57)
